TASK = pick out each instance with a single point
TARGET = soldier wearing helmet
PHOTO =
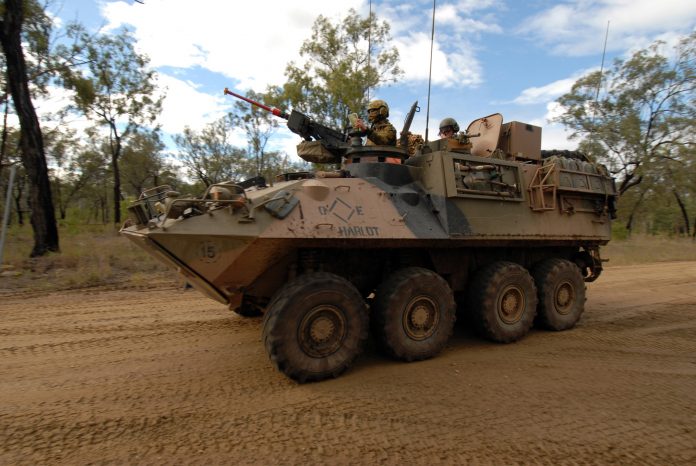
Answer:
(381, 132)
(448, 127)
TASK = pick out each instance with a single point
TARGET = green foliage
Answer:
(37, 29)
(208, 156)
(259, 126)
(143, 164)
(114, 88)
(619, 231)
(338, 70)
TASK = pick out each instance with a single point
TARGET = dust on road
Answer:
(166, 376)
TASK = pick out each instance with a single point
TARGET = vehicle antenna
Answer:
(599, 84)
(369, 48)
(430, 73)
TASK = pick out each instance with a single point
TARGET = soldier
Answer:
(380, 132)
(448, 127)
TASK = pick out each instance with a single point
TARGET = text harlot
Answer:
(358, 231)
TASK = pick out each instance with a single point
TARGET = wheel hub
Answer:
(421, 318)
(322, 331)
(511, 304)
(565, 296)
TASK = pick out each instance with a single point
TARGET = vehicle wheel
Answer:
(414, 313)
(561, 291)
(315, 327)
(503, 300)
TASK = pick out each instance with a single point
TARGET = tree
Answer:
(88, 168)
(143, 163)
(645, 119)
(209, 156)
(338, 69)
(116, 89)
(43, 219)
(259, 126)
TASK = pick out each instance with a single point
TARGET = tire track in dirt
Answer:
(162, 377)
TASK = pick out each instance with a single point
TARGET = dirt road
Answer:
(169, 377)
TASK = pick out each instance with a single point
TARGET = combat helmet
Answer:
(381, 107)
(449, 122)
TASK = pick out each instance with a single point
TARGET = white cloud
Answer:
(541, 94)
(456, 69)
(553, 110)
(230, 40)
(473, 5)
(224, 37)
(184, 105)
(578, 27)
(554, 136)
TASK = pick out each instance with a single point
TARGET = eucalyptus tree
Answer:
(116, 89)
(341, 62)
(209, 156)
(31, 144)
(144, 164)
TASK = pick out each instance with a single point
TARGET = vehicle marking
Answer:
(358, 231)
(341, 209)
(209, 251)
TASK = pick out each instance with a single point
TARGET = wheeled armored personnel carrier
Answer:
(480, 223)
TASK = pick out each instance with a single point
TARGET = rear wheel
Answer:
(561, 291)
(414, 313)
(315, 327)
(502, 300)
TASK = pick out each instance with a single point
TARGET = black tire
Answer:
(414, 314)
(503, 301)
(315, 327)
(561, 291)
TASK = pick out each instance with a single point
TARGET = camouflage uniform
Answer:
(381, 133)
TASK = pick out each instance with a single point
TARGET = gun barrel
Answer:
(273, 110)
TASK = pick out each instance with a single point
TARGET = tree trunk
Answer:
(3, 142)
(43, 218)
(115, 154)
(19, 190)
(629, 223)
(683, 210)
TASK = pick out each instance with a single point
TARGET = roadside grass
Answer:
(643, 249)
(97, 256)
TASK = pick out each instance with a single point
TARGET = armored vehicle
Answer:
(480, 225)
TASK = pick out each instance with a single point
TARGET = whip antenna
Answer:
(599, 84)
(430, 73)
(369, 48)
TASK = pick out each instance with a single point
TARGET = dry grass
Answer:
(641, 249)
(98, 256)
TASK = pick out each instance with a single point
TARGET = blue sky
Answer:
(511, 57)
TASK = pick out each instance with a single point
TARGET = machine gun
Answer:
(403, 141)
(334, 141)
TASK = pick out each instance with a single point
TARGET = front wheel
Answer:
(561, 293)
(414, 314)
(315, 327)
